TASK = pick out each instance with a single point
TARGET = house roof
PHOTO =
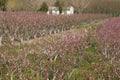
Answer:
(53, 8)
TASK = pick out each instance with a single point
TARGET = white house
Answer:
(0, 40)
(69, 10)
(53, 10)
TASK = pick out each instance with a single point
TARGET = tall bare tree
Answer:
(80, 5)
(22, 5)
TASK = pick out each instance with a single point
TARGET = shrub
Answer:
(3, 5)
(44, 7)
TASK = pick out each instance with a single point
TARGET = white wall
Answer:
(55, 12)
(68, 12)
(0, 41)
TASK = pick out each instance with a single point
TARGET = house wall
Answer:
(55, 11)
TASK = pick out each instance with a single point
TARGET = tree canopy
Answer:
(59, 5)
(44, 7)
(3, 5)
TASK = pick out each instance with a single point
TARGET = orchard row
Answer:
(19, 26)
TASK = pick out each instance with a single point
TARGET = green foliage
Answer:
(59, 5)
(44, 7)
(3, 5)
(91, 48)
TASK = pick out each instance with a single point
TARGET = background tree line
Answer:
(81, 6)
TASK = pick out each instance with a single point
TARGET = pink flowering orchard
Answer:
(19, 26)
(38, 46)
